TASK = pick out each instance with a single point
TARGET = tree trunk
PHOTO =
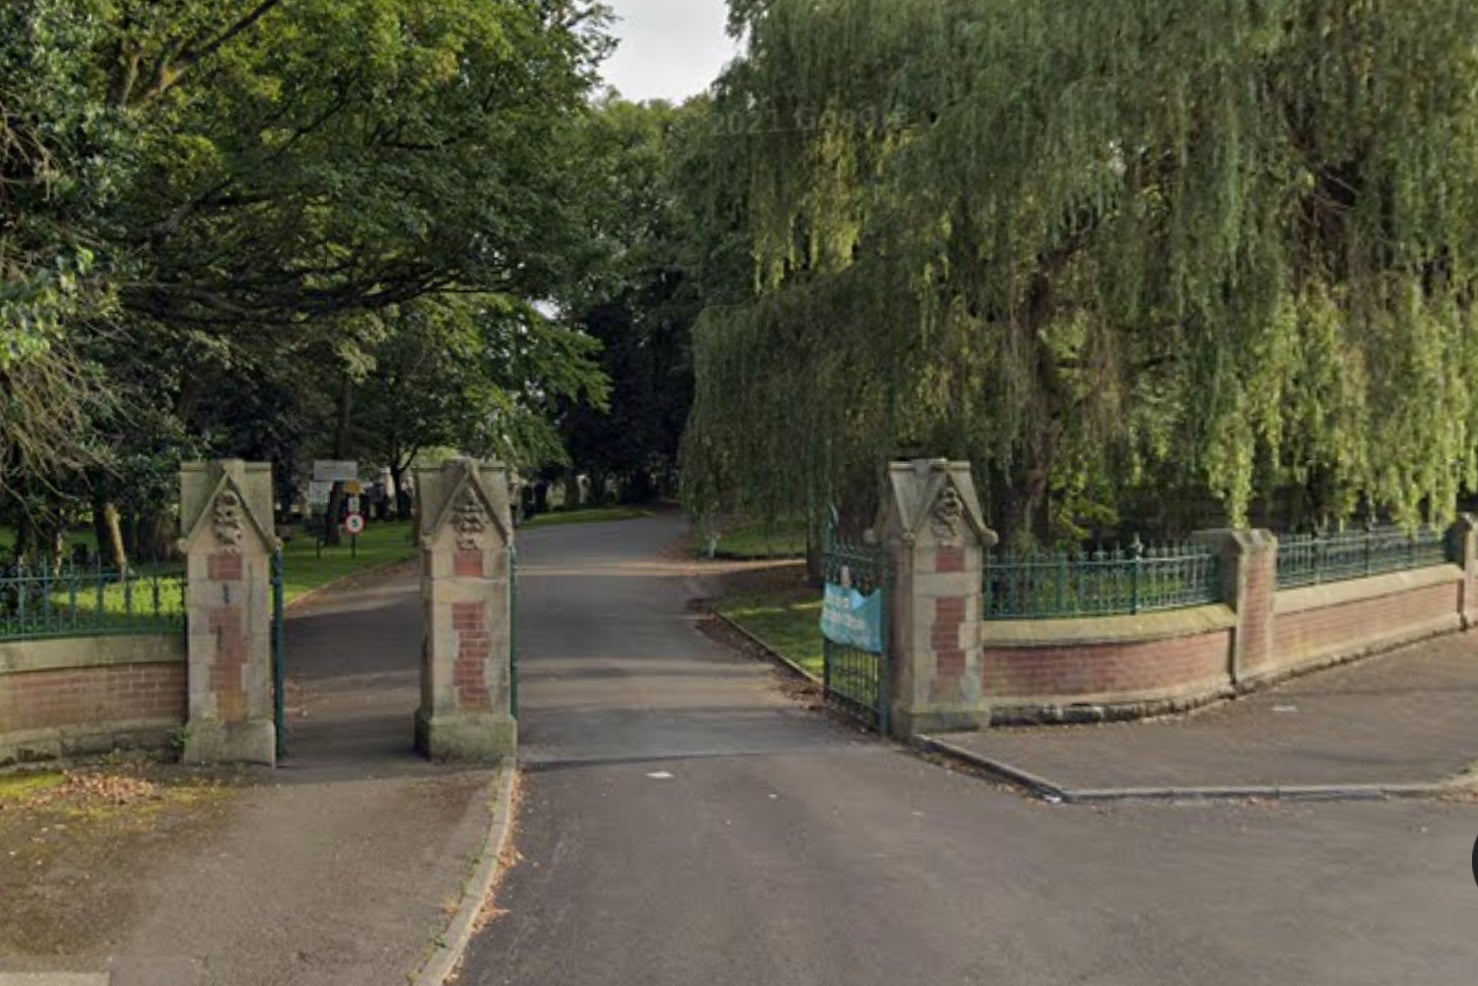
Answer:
(156, 536)
(25, 537)
(815, 560)
(111, 545)
(100, 525)
(331, 531)
(402, 495)
(572, 489)
(130, 522)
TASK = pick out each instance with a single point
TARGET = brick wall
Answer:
(955, 670)
(1119, 671)
(1344, 620)
(1121, 667)
(88, 695)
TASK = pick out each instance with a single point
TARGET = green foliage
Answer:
(639, 303)
(218, 214)
(59, 167)
(1226, 246)
(480, 373)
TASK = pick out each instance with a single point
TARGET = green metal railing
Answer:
(1313, 559)
(513, 630)
(1137, 579)
(72, 601)
(279, 653)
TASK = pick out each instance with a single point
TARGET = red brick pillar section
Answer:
(226, 514)
(1465, 536)
(1249, 578)
(937, 541)
(466, 534)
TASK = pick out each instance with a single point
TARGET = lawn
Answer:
(306, 568)
(753, 539)
(594, 515)
(69, 602)
(788, 621)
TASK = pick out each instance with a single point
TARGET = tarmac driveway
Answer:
(685, 823)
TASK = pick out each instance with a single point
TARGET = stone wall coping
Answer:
(1088, 630)
(83, 653)
(1287, 601)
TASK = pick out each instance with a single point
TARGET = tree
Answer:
(480, 374)
(640, 303)
(58, 168)
(1226, 246)
(211, 205)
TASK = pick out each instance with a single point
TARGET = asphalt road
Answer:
(684, 823)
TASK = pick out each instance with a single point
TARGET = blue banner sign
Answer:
(851, 619)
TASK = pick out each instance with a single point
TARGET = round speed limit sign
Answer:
(354, 523)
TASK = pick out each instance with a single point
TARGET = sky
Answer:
(670, 49)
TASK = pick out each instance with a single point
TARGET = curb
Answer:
(770, 652)
(452, 945)
(1045, 790)
(1038, 787)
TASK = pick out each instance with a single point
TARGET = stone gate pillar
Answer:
(1465, 555)
(936, 541)
(466, 531)
(226, 517)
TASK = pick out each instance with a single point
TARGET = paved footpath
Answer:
(685, 824)
(1405, 718)
(342, 863)
(336, 868)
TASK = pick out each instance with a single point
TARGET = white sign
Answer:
(353, 505)
(354, 523)
(318, 493)
(334, 470)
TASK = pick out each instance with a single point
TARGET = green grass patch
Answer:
(788, 621)
(753, 539)
(305, 568)
(594, 515)
(22, 787)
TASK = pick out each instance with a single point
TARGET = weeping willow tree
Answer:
(1209, 244)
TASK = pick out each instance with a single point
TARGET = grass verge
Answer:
(595, 515)
(786, 620)
(757, 539)
(305, 568)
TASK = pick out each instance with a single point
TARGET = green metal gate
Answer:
(857, 681)
(279, 657)
(513, 630)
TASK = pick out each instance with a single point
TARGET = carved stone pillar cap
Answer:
(936, 496)
(459, 495)
(232, 499)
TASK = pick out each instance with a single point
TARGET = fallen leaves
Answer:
(106, 788)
